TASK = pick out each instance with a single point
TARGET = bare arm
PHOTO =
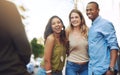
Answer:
(67, 33)
(113, 59)
(113, 55)
(48, 53)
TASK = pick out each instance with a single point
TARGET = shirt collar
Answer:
(96, 20)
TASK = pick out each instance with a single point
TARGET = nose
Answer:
(73, 19)
(57, 24)
(87, 11)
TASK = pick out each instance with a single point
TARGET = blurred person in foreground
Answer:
(102, 43)
(55, 48)
(15, 49)
(77, 33)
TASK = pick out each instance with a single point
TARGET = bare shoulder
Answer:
(67, 29)
(50, 38)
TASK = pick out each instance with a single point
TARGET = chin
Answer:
(90, 18)
(57, 32)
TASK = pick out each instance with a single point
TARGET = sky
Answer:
(39, 12)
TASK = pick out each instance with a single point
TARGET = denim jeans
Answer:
(41, 71)
(76, 69)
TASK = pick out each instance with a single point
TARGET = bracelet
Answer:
(49, 71)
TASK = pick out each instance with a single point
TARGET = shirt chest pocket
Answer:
(97, 37)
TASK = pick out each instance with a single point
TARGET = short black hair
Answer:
(97, 6)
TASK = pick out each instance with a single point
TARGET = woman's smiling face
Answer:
(56, 25)
(75, 19)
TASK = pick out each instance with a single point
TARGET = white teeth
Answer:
(89, 15)
(57, 28)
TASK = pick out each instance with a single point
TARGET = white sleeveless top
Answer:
(78, 49)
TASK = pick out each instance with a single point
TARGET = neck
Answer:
(57, 35)
(95, 18)
(76, 28)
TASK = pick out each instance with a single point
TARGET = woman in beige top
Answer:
(77, 61)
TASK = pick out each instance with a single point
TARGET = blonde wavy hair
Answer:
(83, 27)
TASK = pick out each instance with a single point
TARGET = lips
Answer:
(58, 28)
(90, 16)
(74, 22)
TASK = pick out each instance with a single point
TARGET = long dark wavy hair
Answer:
(48, 30)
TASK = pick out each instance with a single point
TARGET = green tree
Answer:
(37, 49)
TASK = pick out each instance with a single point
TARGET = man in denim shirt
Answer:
(102, 41)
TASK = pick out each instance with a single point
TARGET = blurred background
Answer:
(35, 15)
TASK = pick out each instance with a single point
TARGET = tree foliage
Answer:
(37, 49)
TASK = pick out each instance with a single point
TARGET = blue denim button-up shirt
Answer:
(101, 40)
